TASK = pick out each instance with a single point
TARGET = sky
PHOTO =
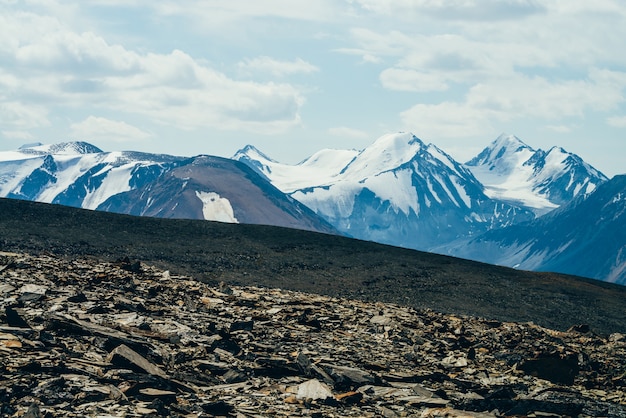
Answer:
(292, 77)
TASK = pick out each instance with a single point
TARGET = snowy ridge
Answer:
(143, 184)
(387, 152)
(386, 168)
(63, 148)
(320, 169)
(398, 190)
(73, 173)
(513, 172)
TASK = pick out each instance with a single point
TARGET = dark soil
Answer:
(312, 262)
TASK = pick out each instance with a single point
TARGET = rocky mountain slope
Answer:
(319, 263)
(539, 180)
(82, 337)
(203, 187)
(586, 237)
(218, 189)
(398, 191)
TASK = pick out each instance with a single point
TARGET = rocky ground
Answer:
(80, 337)
(258, 255)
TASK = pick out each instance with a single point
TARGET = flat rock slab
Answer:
(122, 355)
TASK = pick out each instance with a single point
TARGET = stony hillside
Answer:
(86, 338)
(318, 263)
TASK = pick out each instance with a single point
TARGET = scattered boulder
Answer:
(313, 389)
(86, 338)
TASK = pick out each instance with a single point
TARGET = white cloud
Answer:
(276, 68)
(235, 17)
(22, 135)
(617, 121)
(84, 53)
(366, 56)
(98, 128)
(458, 68)
(351, 133)
(482, 75)
(538, 97)
(56, 66)
(498, 101)
(556, 35)
(411, 80)
(454, 9)
(23, 116)
(584, 7)
(449, 120)
(373, 44)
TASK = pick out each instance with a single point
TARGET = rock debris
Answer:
(87, 338)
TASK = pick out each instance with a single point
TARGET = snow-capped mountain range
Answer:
(587, 237)
(397, 191)
(403, 192)
(80, 175)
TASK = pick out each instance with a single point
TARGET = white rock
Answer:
(33, 288)
(313, 389)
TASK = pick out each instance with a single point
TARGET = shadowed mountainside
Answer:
(313, 262)
(228, 186)
(585, 237)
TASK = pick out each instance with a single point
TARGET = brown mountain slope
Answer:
(177, 194)
(325, 264)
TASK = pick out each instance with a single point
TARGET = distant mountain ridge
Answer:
(397, 191)
(62, 148)
(403, 192)
(81, 175)
(586, 237)
(539, 180)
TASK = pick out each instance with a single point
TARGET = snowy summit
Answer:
(514, 172)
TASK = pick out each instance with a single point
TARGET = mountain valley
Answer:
(585, 238)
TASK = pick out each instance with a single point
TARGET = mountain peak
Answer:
(504, 147)
(251, 152)
(512, 171)
(61, 148)
(557, 149)
(387, 152)
(396, 143)
(508, 139)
